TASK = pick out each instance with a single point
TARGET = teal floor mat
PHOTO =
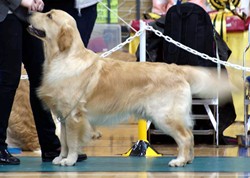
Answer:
(133, 164)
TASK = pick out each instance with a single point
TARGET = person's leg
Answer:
(10, 70)
(85, 21)
(33, 59)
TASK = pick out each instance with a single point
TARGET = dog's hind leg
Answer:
(184, 140)
(185, 144)
(191, 152)
(174, 119)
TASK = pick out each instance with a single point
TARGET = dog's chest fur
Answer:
(67, 83)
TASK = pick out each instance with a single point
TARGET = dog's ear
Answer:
(65, 38)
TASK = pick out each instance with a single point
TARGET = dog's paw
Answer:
(96, 135)
(177, 163)
(67, 162)
(57, 160)
(190, 160)
(190, 157)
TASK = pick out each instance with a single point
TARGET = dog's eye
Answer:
(49, 16)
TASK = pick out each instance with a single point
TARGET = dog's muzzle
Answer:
(36, 32)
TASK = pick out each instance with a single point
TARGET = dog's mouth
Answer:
(37, 32)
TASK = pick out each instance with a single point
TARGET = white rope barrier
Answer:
(117, 16)
(203, 55)
(170, 40)
(119, 46)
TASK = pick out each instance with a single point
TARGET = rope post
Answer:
(142, 147)
(142, 130)
(246, 91)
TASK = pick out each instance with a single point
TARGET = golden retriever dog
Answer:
(85, 90)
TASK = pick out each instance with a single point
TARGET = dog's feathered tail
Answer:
(207, 83)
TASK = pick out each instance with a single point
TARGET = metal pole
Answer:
(246, 99)
(109, 17)
(138, 7)
(142, 147)
(142, 42)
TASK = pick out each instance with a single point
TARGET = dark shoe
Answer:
(49, 156)
(7, 159)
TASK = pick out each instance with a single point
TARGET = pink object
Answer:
(161, 6)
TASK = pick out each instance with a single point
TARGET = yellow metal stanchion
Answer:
(142, 126)
(142, 147)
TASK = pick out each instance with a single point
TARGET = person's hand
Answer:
(39, 5)
(30, 4)
(33, 5)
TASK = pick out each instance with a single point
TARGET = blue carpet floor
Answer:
(133, 164)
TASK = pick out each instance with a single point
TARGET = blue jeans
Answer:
(17, 47)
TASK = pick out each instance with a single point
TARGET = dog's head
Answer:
(54, 27)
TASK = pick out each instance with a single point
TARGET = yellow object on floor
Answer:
(142, 147)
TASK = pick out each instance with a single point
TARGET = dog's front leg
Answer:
(70, 143)
(64, 148)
